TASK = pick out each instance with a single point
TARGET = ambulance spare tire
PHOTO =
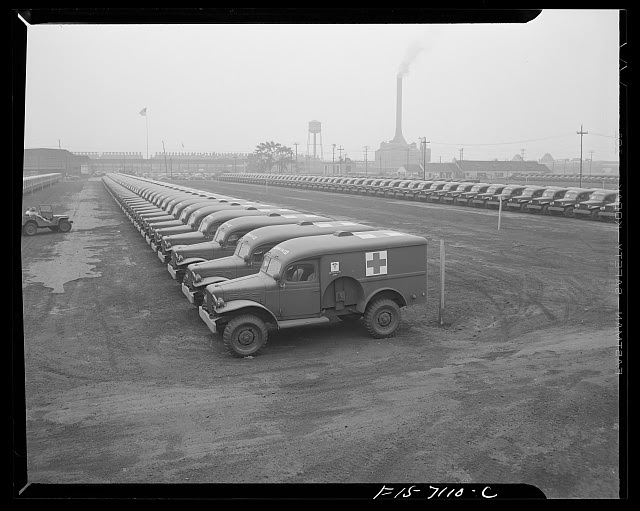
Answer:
(245, 335)
(381, 318)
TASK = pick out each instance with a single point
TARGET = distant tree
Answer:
(270, 154)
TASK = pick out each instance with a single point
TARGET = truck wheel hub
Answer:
(384, 319)
(246, 337)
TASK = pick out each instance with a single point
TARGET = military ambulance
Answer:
(250, 251)
(166, 239)
(312, 280)
(176, 226)
(226, 238)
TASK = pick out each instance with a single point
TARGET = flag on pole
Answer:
(143, 112)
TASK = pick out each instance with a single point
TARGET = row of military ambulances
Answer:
(255, 268)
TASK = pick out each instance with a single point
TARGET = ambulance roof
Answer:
(283, 216)
(278, 233)
(342, 241)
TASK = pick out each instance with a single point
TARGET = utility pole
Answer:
(296, 144)
(366, 148)
(340, 149)
(424, 143)
(591, 151)
(581, 133)
(165, 159)
(333, 160)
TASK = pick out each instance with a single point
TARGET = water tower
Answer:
(315, 130)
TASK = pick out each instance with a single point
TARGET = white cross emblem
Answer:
(376, 263)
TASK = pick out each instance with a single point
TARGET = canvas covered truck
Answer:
(226, 238)
(166, 239)
(308, 281)
(250, 251)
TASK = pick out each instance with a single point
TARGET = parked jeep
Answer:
(226, 238)
(312, 280)
(567, 204)
(591, 208)
(42, 217)
(250, 250)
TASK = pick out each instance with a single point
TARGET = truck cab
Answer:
(567, 204)
(308, 281)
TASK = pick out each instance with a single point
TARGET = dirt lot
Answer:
(125, 384)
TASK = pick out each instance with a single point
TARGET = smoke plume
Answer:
(412, 52)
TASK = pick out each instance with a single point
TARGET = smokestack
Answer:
(399, 139)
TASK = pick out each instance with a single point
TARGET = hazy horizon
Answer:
(492, 90)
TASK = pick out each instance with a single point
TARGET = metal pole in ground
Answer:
(499, 212)
(442, 264)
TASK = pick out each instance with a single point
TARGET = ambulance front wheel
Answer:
(245, 335)
(381, 318)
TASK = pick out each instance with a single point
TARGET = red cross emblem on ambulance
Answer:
(376, 263)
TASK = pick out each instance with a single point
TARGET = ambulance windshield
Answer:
(270, 266)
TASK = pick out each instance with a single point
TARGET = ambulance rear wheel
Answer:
(381, 318)
(245, 335)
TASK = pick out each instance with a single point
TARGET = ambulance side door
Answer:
(300, 290)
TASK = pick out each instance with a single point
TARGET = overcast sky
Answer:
(492, 90)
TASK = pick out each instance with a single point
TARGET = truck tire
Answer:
(64, 225)
(245, 335)
(30, 228)
(569, 213)
(545, 210)
(381, 318)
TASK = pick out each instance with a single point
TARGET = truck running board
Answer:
(302, 322)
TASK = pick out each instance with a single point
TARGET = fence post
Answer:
(442, 265)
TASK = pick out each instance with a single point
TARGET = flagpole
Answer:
(146, 121)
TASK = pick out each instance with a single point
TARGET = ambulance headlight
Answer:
(197, 277)
(167, 245)
(219, 302)
(179, 258)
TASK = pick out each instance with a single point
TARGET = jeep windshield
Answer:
(271, 266)
(571, 194)
(476, 188)
(550, 193)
